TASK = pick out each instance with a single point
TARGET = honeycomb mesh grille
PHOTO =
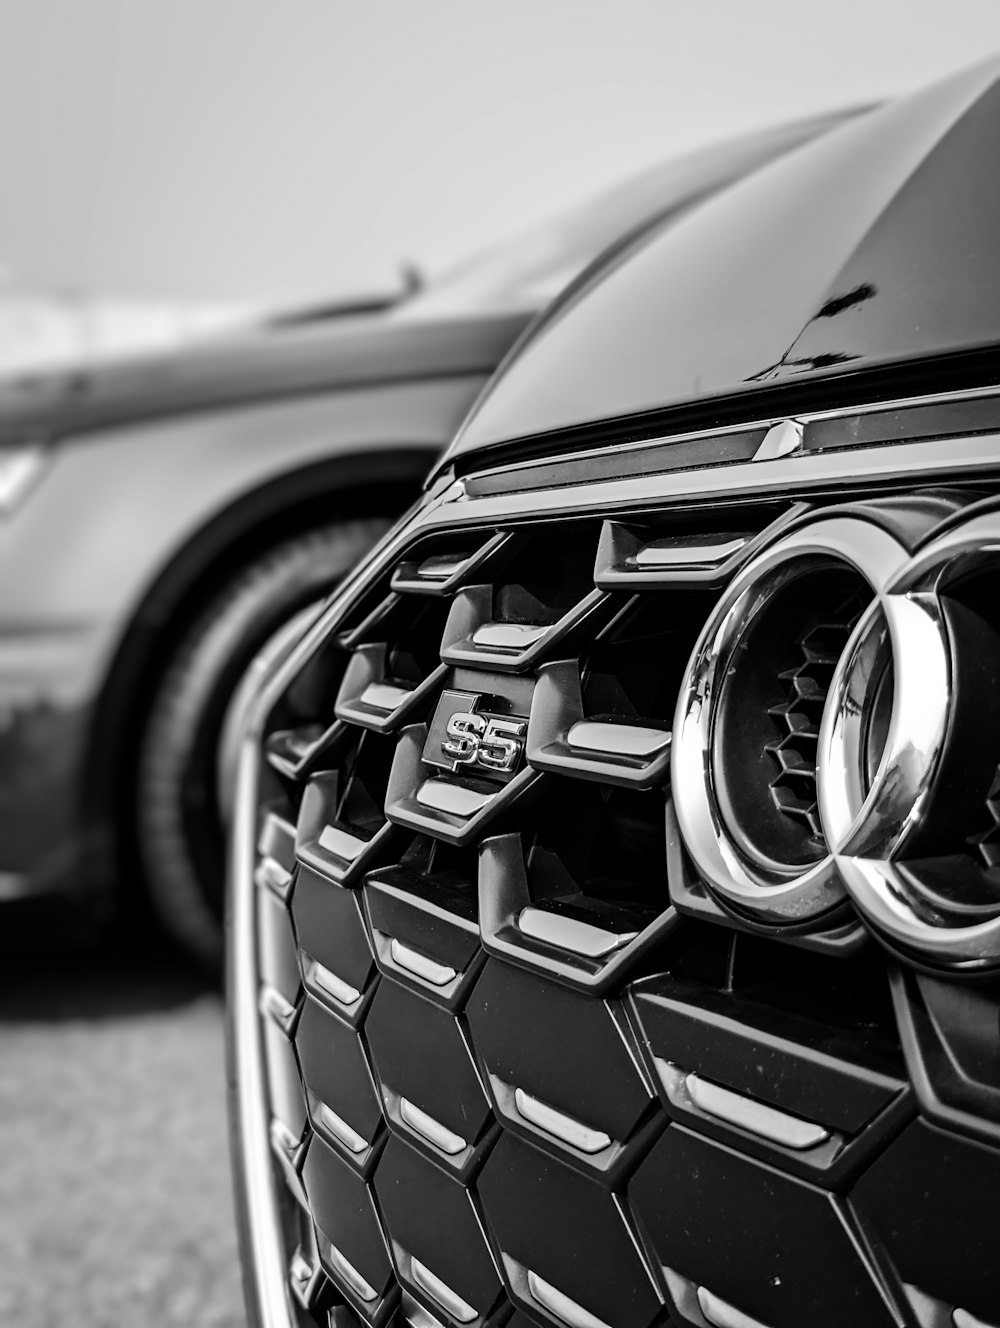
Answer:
(793, 753)
(491, 1044)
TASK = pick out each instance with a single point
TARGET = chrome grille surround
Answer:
(599, 980)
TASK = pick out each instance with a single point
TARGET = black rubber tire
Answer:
(178, 822)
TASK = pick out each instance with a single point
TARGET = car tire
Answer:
(178, 819)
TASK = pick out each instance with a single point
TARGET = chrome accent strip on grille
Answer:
(556, 1302)
(582, 457)
(329, 982)
(803, 473)
(721, 1314)
(437, 1134)
(559, 1125)
(676, 551)
(428, 969)
(341, 843)
(362, 1289)
(570, 934)
(340, 1129)
(781, 440)
(265, 1256)
(766, 1122)
(507, 635)
(441, 1292)
(455, 799)
(384, 696)
(617, 739)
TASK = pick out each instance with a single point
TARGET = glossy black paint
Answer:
(872, 247)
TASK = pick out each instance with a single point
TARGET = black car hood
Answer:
(259, 364)
(877, 244)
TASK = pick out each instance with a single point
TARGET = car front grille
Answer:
(525, 1060)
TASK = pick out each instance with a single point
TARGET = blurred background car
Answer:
(164, 517)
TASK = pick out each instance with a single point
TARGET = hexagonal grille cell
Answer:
(559, 1063)
(343, 1101)
(778, 1250)
(438, 1243)
(553, 1224)
(430, 1087)
(797, 718)
(351, 1245)
(933, 1200)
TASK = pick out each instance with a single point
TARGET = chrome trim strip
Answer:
(441, 1292)
(617, 739)
(675, 551)
(928, 399)
(454, 799)
(963, 1319)
(766, 1122)
(571, 934)
(432, 1130)
(340, 1129)
(414, 962)
(362, 1289)
(340, 843)
(721, 1314)
(553, 1300)
(329, 982)
(264, 1255)
(749, 426)
(507, 635)
(559, 1125)
(384, 696)
(803, 473)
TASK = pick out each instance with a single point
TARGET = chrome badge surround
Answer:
(894, 893)
(767, 891)
(871, 819)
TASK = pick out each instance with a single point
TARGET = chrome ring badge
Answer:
(746, 770)
(911, 844)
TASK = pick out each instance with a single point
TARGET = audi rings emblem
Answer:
(837, 737)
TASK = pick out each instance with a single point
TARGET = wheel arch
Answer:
(364, 483)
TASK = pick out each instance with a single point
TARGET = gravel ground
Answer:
(115, 1204)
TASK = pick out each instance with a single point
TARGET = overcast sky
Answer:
(278, 149)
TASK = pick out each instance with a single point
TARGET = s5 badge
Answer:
(462, 736)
